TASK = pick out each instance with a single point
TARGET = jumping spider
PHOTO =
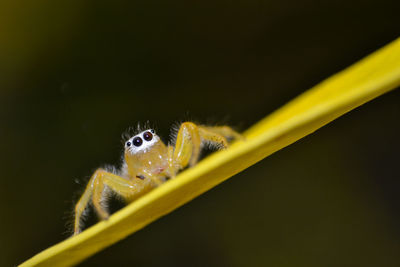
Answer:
(147, 163)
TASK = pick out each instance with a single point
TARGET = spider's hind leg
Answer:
(225, 131)
(191, 137)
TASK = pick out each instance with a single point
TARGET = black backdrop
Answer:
(76, 74)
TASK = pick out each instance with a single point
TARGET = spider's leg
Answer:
(95, 189)
(225, 131)
(81, 206)
(190, 138)
(187, 146)
(98, 198)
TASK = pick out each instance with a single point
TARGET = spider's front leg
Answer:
(95, 191)
(190, 139)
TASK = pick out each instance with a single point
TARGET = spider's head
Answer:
(142, 142)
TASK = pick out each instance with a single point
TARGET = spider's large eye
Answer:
(137, 141)
(128, 144)
(147, 136)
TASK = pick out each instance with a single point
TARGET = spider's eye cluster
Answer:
(138, 141)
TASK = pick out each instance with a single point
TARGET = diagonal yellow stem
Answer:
(374, 75)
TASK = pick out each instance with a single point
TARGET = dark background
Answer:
(75, 74)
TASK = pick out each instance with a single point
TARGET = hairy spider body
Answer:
(148, 163)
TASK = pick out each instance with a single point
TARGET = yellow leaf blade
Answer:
(365, 80)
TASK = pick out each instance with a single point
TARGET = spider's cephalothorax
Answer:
(147, 163)
(145, 156)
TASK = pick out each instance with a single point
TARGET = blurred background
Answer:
(74, 75)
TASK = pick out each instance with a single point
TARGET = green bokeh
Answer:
(74, 75)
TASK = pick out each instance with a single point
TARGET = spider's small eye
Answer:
(152, 131)
(128, 144)
(137, 141)
(147, 136)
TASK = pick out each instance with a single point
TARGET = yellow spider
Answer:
(147, 163)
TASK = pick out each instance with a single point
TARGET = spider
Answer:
(147, 163)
